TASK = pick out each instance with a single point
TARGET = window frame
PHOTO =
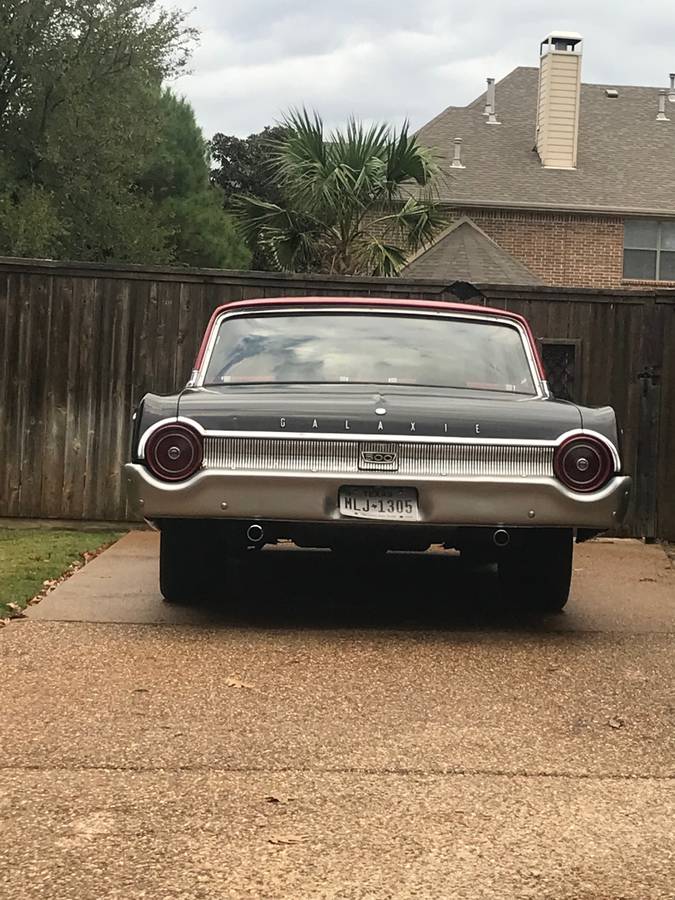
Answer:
(658, 249)
(540, 387)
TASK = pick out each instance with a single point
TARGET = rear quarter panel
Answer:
(152, 408)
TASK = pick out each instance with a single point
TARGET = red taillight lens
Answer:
(174, 452)
(583, 463)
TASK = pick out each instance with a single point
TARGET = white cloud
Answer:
(394, 59)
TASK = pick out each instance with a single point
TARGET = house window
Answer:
(649, 250)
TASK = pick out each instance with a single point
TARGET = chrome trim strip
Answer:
(379, 438)
(276, 457)
(540, 385)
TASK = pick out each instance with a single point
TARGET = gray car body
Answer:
(369, 413)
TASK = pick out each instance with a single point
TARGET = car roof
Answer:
(363, 301)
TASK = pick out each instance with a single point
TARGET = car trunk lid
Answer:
(380, 411)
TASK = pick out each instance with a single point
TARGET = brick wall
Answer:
(561, 248)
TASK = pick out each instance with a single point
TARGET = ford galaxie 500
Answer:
(366, 425)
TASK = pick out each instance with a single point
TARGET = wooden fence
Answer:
(82, 343)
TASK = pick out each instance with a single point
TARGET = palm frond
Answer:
(357, 144)
(417, 222)
(253, 214)
(408, 160)
(294, 250)
(294, 239)
(300, 159)
(376, 257)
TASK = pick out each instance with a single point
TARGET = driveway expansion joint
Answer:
(342, 770)
(424, 628)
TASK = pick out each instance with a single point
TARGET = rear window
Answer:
(366, 348)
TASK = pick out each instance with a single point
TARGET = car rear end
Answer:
(342, 424)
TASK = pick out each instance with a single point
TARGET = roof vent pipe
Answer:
(661, 115)
(490, 98)
(492, 118)
(457, 158)
(671, 92)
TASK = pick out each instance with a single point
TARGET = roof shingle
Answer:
(625, 163)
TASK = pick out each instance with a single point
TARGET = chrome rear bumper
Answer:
(314, 498)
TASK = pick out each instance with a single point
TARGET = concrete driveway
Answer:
(332, 730)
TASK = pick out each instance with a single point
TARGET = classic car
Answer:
(365, 425)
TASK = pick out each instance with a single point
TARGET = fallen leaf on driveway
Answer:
(287, 839)
(15, 611)
(4, 622)
(272, 799)
(237, 683)
(615, 723)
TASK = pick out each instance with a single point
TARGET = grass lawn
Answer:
(31, 556)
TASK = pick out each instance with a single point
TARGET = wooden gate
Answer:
(81, 344)
(624, 355)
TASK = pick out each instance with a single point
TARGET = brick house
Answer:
(547, 180)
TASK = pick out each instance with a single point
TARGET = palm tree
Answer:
(358, 202)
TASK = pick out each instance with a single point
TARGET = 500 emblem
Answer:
(379, 458)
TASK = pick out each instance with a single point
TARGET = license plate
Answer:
(399, 504)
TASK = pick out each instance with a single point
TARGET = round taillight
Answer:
(583, 463)
(174, 452)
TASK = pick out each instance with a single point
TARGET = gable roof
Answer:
(625, 163)
(463, 252)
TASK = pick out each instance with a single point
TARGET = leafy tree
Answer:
(244, 166)
(29, 220)
(355, 202)
(177, 178)
(86, 135)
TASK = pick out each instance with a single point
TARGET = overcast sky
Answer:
(396, 59)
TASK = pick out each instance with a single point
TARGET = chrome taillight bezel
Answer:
(599, 456)
(186, 440)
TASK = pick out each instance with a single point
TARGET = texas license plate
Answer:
(399, 504)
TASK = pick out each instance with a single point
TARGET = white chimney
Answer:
(559, 99)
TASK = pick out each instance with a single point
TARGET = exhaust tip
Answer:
(501, 538)
(255, 533)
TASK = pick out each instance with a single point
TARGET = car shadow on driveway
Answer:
(315, 589)
(618, 587)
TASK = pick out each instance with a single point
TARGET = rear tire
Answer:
(187, 555)
(535, 571)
